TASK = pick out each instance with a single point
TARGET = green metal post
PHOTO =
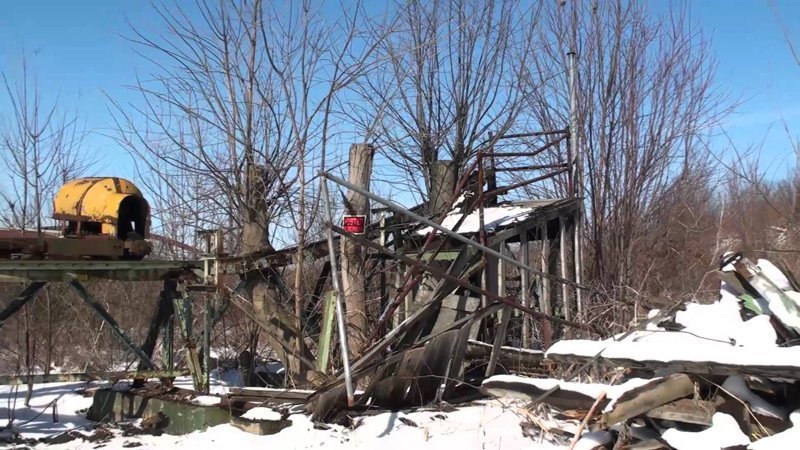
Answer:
(183, 307)
(326, 335)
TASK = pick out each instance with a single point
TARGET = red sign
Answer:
(354, 224)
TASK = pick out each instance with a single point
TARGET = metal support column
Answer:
(161, 315)
(183, 312)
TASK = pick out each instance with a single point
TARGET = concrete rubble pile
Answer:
(702, 376)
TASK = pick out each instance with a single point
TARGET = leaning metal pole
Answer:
(402, 210)
(337, 285)
(577, 176)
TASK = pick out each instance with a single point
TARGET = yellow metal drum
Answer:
(104, 205)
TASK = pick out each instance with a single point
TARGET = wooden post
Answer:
(443, 186)
(562, 240)
(546, 305)
(525, 285)
(353, 255)
(505, 317)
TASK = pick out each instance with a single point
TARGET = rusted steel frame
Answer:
(162, 314)
(536, 152)
(533, 134)
(536, 167)
(509, 300)
(20, 300)
(71, 377)
(503, 190)
(104, 315)
(414, 276)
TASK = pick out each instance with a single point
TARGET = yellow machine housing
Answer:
(102, 206)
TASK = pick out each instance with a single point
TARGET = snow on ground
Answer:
(592, 390)
(206, 400)
(723, 433)
(219, 382)
(485, 424)
(711, 333)
(36, 421)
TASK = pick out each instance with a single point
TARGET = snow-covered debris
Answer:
(772, 272)
(493, 217)
(494, 385)
(737, 387)
(723, 433)
(262, 413)
(679, 349)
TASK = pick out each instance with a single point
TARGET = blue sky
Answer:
(79, 52)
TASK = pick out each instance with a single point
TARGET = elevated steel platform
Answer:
(15, 271)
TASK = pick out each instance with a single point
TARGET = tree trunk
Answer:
(263, 291)
(353, 256)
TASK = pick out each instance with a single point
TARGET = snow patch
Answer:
(262, 413)
(723, 433)
(737, 386)
(207, 400)
(594, 439)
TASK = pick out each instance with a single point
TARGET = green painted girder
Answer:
(13, 271)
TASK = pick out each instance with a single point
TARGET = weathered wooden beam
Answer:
(510, 357)
(505, 317)
(644, 398)
(183, 312)
(65, 271)
(693, 367)
(686, 410)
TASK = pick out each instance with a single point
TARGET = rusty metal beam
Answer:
(66, 271)
(105, 316)
(20, 300)
(71, 377)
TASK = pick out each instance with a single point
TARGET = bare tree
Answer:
(41, 147)
(239, 109)
(646, 108)
(448, 76)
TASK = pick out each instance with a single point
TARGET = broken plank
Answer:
(686, 410)
(644, 398)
